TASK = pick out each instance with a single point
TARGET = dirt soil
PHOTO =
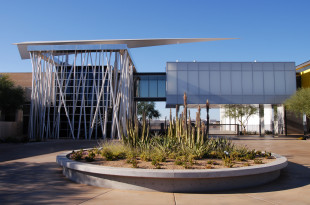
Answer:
(170, 163)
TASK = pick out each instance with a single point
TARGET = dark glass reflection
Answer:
(150, 86)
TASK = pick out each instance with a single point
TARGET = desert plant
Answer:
(258, 161)
(76, 155)
(228, 162)
(250, 155)
(211, 162)
(133, 161)
(90, 157)
(246, 164)
(185, 161)
(108, 154)
(209, 166)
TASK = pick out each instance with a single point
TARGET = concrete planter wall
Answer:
(171, 180)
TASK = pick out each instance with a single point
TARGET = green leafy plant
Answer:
(246, 164)
(156, 163)
(228, 162)
(108, 154)
(209, 166)
(185, 161)
(299, 102)
(133, 161)
(212, 162)
(241, 113)
(76, 155)
(11, 97)
(90, 157)
(258, 161)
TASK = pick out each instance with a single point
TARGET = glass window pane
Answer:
(161, 88)
(153, 88)
(144, 88)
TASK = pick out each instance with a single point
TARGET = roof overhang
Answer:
(131, 43)
(303, 67)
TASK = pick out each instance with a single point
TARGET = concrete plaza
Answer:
(30, 175)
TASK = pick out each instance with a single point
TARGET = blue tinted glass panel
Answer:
(144, 88)
(153, 88)
(161, 88)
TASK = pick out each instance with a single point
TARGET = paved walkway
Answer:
(30, 175)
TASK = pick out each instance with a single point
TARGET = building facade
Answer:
(88, 89)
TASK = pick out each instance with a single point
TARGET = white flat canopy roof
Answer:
(131, 43)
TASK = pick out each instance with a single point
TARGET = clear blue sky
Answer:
(269, 30)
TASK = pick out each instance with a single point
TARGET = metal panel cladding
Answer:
(230, 82)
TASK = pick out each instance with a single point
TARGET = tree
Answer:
(11, 96)
(149, 109)
(241, 113)
(299, 103)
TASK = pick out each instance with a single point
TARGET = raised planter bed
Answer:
(171, 180)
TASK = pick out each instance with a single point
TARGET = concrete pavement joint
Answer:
(175, 201)
(258, 198)
(95, 196)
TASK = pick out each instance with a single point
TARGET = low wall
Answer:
(10, 129)
(171, 180)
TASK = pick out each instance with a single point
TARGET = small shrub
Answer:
(246, 164)
(76, 155)
(145, 156)
(241, 159)
(209, 166)
(121, 155)
(250, 155)
(235, 155)
(133, 162)
(90, 157)
(107, 154)
(96, 151)
(158, 155)
(185, 161)
(172, 155)
(211, 162)
(258, 161)
(216, 154)
(268, 155)
(156, 163)
(228, 162)
(179, 160)
(259, 153)
(131, 157)
(114, 150)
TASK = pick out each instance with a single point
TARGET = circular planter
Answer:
(202, 180)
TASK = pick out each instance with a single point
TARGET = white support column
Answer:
(281, 124)
(261, 120)
(304, 119)
(275, 119)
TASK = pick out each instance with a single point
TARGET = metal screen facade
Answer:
(81, 92)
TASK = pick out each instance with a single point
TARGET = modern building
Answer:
(89, 89)
(303, 81)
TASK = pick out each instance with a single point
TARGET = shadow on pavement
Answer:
(29, 183)
(18, 151)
